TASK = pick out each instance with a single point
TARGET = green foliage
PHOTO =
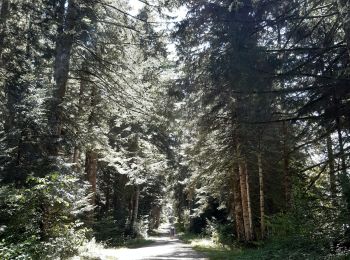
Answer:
(295, 248)
(245, 67)
(292, 236)
(40, 221)
(180, 227)
(110, 231)
(138, 242)
(282, 224)
(221, 233)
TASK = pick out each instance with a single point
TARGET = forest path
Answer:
(163, 247)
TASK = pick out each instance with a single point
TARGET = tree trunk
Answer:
(131, 210)
(108, 193)
(261, 196)
(82, 89)
(157, 222)
(108, 196)
(4, 10)
(64, 45)
(343, 178)
(341, 148)
(245, 200)
(332, 177)
(155, 217)
(3, 17)
(91, 172)
(135, 210)
(76, 156)
(237, 203)
(44, 220)
(136, 204)
(344, 10)
(287, 182)
(13, 89)
(248, 199)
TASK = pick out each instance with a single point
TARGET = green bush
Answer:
(40, 220)
(221, 233)
(110, 231)
(180, 227)
(282, 225)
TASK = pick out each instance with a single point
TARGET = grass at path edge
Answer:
(291, 248)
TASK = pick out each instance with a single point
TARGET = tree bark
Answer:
(136, 204)
(135, 210)
(3, 18)
(248, 199)
(287, 181)
(343, 178)
(332, 176)
(341, 147)
(131, 210)
(82, 89)
(91, 172)
(91, 154)
(10, 91)
(261, 196)
(157, 222)
(237, 203)
(245, 200)
(64, 45)
(344, 10)
(76, 156)
(155, 217)
(108, 195)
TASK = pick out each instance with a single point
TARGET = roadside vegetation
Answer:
(230, 118)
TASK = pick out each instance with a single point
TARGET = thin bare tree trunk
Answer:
(261, 196)
(155, 217)
(341, 147)
(332, 177)
(157, 221)
(76, 156)
(108, 195)
(91, 154)
(136, 205)
(237, 203)
(343, 177)
(248, 199)
(131, 209)
(135, 209)
(82, 89)
(287, 181)
(91, 172)
(244, 197)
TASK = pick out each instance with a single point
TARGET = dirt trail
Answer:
(163, 247)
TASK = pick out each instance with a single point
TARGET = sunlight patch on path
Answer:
(163, 247)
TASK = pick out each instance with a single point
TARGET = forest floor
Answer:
(161, 246)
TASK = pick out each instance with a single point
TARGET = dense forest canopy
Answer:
(232, 119)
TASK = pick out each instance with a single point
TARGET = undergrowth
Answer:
(293, 248)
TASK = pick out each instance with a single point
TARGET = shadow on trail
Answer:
(153, 243)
